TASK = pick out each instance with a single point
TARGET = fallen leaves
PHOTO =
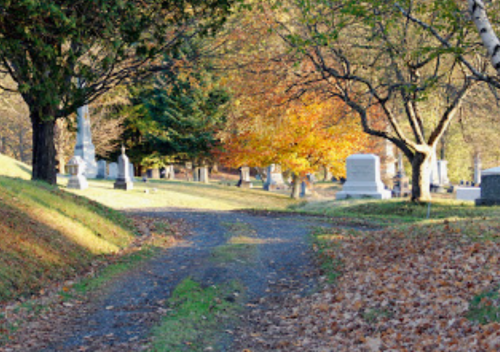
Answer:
(398, 292)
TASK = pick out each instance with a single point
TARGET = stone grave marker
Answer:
(102, 166)
(244, 181)
(203, 174)
(363, 178)
(113, 171)
(274, 179)
(76, 167)
(123, 181)
(490, 187)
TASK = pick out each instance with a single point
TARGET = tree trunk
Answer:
(44, 151)
(420, 183)
(295, 186)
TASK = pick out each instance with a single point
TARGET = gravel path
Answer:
(120, 320)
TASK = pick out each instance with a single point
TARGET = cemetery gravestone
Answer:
(131, 172)
(76, 167)
(170, 172)
(274, 180)
(188, 167)
(244, 181)
(102, 166)
(84, 147)
(490, 187)
(401, 182)
(203, 176)
(363, 178)
(123, 180)
(113, 171)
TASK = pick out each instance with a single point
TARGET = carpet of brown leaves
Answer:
(398, 292)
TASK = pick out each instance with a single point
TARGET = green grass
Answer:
(50, 235)
(396, 211)
(196, 315)
(181, 194)
(485, 308)
(324, 243)
(110, 272)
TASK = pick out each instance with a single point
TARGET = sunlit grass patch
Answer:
(196, 315)
(181, 194)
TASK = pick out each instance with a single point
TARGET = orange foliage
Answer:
(304, 138)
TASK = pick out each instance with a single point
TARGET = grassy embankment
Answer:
(50, 235)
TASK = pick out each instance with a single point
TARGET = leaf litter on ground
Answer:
(401, 290)
(32, 321)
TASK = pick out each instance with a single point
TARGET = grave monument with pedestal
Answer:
(76, 168)
(363, 178)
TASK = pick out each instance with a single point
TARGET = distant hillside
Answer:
(48, 234)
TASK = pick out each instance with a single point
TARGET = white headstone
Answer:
(131, 172)
(113, 171)
(170, 172)
(203, 174)
(274, 179)
(433, 169)
(363, 178)
(102, 166)
(390, 159)
(76, 167)
(477, 169)
(442, 168)
(468, 193)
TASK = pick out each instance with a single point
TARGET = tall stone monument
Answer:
(363, 178)
(84, 147)
(123, 181)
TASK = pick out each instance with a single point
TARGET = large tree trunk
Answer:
(420, 183)
(44, 151)
(295, 186)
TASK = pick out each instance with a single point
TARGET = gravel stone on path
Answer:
(121, 319)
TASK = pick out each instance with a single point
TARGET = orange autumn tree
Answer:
(306, 136)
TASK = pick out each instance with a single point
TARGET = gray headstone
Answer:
(305, 189)
(363, 178)
(113, 171)
(76, 167)
(490, 187)
(102, 166)
(123, 181)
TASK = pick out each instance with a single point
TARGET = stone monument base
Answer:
(275, 187)
(124, 185)
(468, 193)
(78, 182)
(383, 194)
(244, 184)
